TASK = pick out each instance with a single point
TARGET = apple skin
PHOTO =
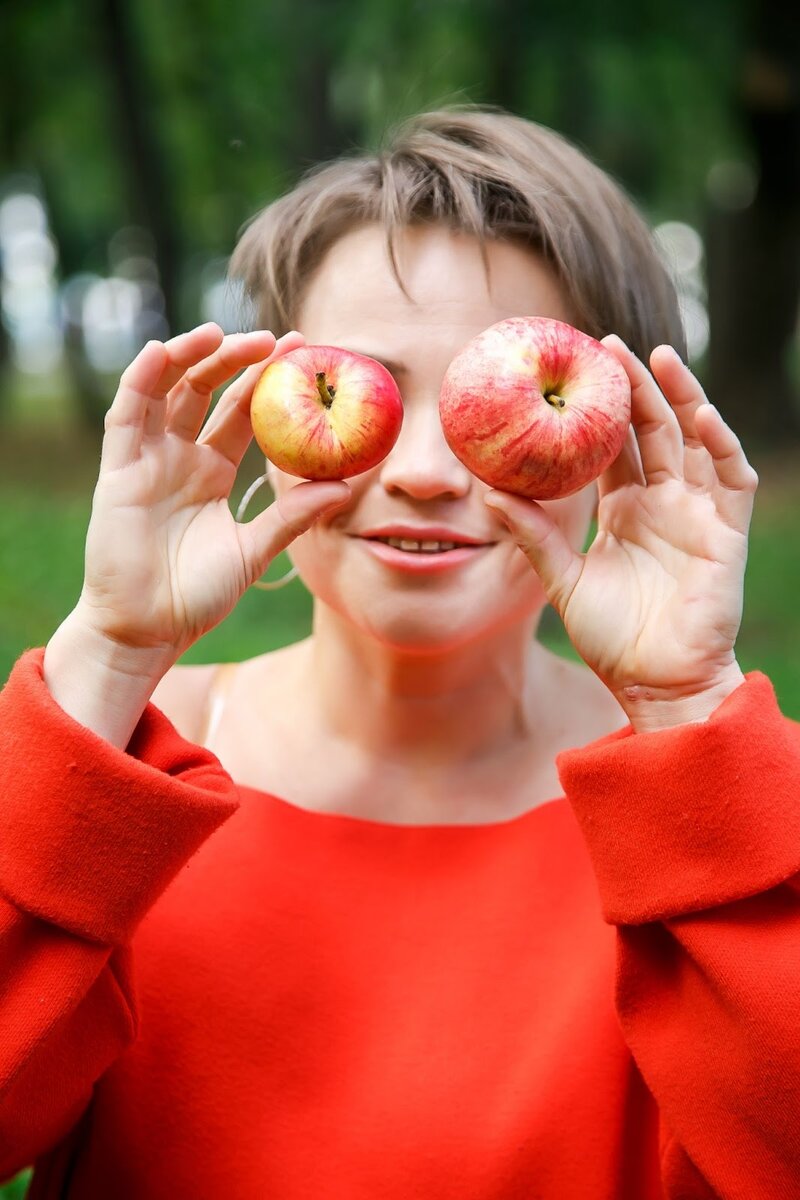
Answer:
(498, 421)
(320, 412)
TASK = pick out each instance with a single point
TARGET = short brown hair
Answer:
(476, 169)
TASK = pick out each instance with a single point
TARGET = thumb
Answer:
(286, 518)
(543, 543)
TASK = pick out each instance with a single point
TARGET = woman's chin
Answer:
(436, 629)
(430, 619)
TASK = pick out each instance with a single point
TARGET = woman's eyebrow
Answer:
(392, 367)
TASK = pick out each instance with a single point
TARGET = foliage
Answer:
(186, 118)
(243, 98)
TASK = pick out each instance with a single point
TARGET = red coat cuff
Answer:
(689, 818)
(90, 836)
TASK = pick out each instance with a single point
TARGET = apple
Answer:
(321, 412)
(535, 407)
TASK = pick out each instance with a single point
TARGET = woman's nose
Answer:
(421, 463)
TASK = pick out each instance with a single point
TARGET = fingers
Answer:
(737, 481)
(229, 430)
(680, 435)
(138, 406)
(290, 515)
(188, 400)
(658, 432)
(169, 385)
(686, 396)
(626, 468)
(181, 353)
(543, 543)
(124, 421)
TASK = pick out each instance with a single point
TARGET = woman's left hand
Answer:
(655, 604)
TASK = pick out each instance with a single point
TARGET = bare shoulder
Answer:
(183, 695)
(194, 698)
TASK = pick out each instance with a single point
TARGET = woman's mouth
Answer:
(428, 556)
(416, 547)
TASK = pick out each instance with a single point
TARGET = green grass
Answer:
(44, 508)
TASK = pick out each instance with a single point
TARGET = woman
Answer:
(389, 972)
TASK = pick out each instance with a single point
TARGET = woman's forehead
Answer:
(445, 278)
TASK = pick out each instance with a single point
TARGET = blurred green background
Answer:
(136, 137)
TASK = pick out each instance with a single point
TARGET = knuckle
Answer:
(194, 382)
(293, 524)
(296, 525)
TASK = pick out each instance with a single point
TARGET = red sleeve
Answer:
(89, 839)
(694, 834)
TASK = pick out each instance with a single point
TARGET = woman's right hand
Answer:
(165, 558)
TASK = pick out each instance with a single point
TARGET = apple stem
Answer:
(556, 401)
(326, 392)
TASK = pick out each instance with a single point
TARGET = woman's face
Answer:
(353, 301)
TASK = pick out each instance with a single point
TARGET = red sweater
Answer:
(206, 992)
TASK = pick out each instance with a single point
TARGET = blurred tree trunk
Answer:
(510, 29)
(15, 108)
(140, 147)
(320, 136)
(314, 32)
(754, 247)
(10, 112)
(90, 394)
(507, 31)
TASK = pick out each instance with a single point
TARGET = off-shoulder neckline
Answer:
(348, 820)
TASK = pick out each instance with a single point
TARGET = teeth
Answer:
(426, 547)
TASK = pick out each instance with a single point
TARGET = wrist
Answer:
(103, 684)
(651, 709)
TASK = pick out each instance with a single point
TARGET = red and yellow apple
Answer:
(535, 407)
(320, 412)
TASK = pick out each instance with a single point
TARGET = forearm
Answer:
(83, 1020)
(90, 839)
(694, 837)
(704, 1004)
(103, 685)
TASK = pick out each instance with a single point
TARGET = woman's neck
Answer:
(443, 709)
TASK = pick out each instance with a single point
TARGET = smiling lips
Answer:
(428, 546)
(424, 539)
(431, 549)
